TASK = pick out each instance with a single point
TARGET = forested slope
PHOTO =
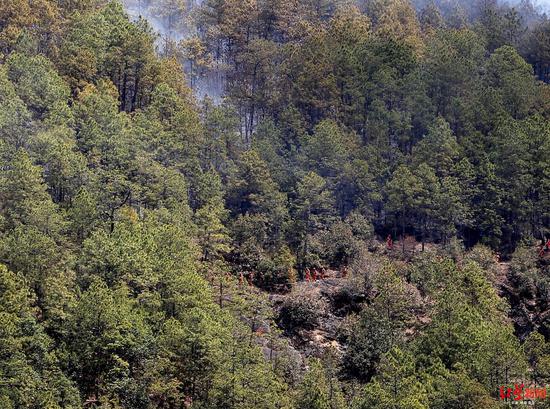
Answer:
(157, 249)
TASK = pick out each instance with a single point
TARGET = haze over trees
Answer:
(158, 250)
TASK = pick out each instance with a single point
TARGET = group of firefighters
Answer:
(311, 275)
(321, 274)
(315, 275)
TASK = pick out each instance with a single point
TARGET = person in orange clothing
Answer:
(308, 275)
(344, 271)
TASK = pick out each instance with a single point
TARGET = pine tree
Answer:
(29, 367)
(403, 192)
(313, 391)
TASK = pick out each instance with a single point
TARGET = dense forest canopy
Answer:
(309, 204)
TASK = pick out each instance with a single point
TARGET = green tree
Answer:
(15, 119)
(372, 337)
(397, 386)
(313, 211)
(313, 392)
(30, 369)
(452, 62)
(512, 79)
(209, 218)
(108, 341)
(39, 85)
(438, 148)
(403, 192)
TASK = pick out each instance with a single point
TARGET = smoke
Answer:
(543, 5)
(161, 26)
(211, 85)
(211, 82)
(172, 30)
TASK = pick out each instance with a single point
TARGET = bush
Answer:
(301, 310)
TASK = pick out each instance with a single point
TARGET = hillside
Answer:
(274, 204)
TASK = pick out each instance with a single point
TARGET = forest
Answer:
(274, 204)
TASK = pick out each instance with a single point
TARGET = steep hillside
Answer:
(357, 216)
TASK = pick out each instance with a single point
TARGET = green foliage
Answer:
(373, 336)
(398, 385)
(40, 87)
(15, 117)
(301, 310)
(30, 372)
(512, 77)
(313, 391)
(137, 222)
